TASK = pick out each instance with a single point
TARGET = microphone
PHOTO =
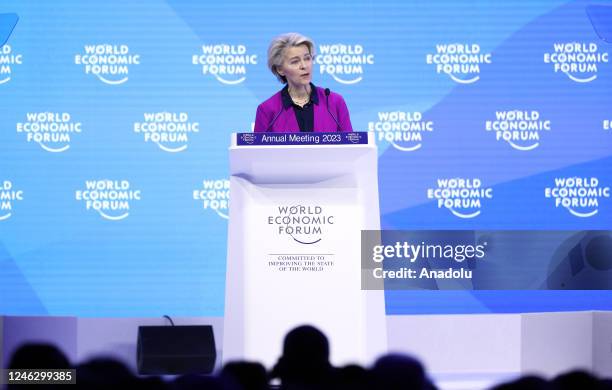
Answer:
(274, 119)
(327, 92)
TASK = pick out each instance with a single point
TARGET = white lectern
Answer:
(298, 204)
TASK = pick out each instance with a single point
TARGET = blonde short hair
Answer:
(277, 48)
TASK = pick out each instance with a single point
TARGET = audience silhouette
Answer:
(31, 355)
(304, 365)
(399, 372)
(305, 360)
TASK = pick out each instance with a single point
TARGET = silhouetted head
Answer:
(201, 382)
(305, 357)
(395, 371)
(248, 375)
(32, 355)
(578, 379)
(351, 377)
(103, 373)
(38, 356)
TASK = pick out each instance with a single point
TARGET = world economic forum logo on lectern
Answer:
(354, 137)
(248, 138)
(304, 224)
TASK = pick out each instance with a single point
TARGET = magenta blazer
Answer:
(273, 116)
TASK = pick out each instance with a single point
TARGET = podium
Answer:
(298, 204)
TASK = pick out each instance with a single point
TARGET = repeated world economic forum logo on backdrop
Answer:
(228, 64)
(9, 60)
(579, 61)
(9, 195)
(53, 131)
(126, 129)
(463, 197)
(406, 131)
(111, 199)
(170, 131)
(110, 63)
(521, 129)
(345, 63)
(461, 62)
(581, 196)
(214, 195)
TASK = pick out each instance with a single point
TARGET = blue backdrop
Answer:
(116, 118)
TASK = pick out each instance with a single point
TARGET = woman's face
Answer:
(297, 66)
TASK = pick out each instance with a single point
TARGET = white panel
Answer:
(602, 344)
(469, 344)
(557, 342)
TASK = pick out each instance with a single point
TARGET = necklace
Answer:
(299, 101)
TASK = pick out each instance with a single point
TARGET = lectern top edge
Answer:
(295, 139)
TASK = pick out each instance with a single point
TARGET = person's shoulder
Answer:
(273, 101)
(332, 95)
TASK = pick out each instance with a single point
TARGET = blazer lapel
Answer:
(320, 112)
(289, 121)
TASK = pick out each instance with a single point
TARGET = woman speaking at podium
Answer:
(299, 106)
